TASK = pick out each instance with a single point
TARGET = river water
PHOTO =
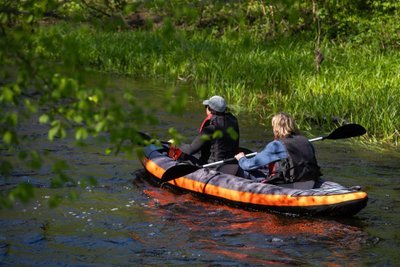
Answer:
(125, 221)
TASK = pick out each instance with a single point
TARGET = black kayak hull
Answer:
(325, 199)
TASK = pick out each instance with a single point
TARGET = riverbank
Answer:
(354, 84)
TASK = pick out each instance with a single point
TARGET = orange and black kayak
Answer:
(325, 198)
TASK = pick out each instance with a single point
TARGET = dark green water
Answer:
(124, 221)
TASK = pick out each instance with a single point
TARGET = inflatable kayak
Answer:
(325, 198)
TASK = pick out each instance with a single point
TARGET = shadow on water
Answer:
(125, 221)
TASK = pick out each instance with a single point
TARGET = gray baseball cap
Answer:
(216, 103)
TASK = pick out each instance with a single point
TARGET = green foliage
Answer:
(362, 21)
(23, 192)
(232, 133)
(218, 134)
(42, 77)
(357, 21)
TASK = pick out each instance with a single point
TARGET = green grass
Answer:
(357, 84)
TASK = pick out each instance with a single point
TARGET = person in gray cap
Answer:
(216, 103)
(218, 137)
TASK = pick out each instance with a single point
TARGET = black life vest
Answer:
(301, 165)
(226, 145)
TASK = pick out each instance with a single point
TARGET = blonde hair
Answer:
(283, 125)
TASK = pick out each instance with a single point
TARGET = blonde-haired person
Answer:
(283, 126)
(289, 159)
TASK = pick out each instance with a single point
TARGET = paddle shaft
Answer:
(345, 131)
(226, 160)
(316, 139)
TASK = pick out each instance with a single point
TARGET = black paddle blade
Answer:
(178, 171)
(144, 136)
(347, 131)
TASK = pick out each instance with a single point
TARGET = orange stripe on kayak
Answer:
(266, 199)
(254, 198)
(156, 170)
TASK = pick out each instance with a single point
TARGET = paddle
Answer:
(345, 131)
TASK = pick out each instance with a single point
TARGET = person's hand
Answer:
(239, 156)
(171, 142)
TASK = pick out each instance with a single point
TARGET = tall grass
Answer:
(356, 84)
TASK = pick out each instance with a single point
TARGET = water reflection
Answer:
(254, 238)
